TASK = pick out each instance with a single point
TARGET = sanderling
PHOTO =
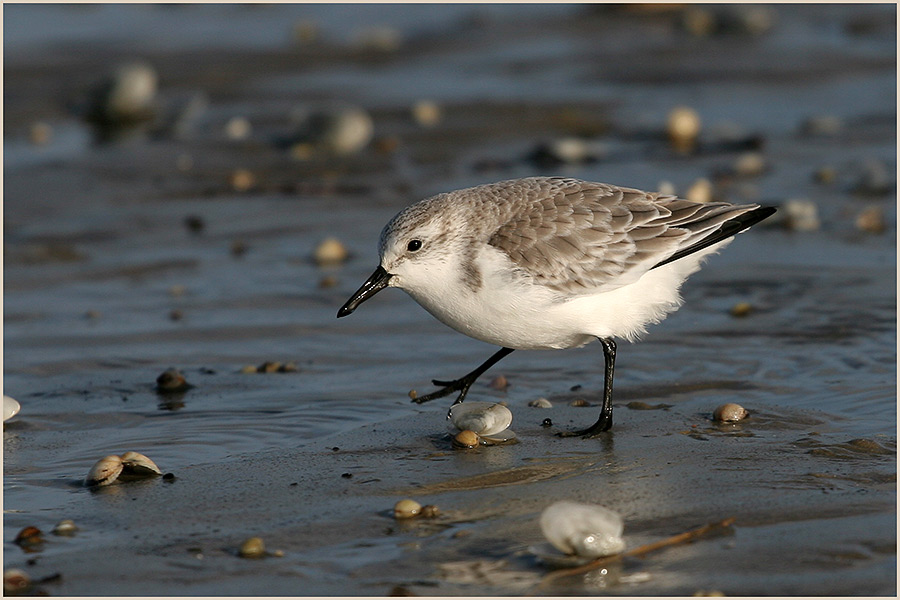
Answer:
(550, 262)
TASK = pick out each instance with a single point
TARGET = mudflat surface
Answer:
(105, 287)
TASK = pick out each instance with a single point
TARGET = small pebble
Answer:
(429, 511)
(305, 32)
(379, 38)
(247, 369)
(40, 133)
(184, 162)
(426, 113)
(327, 282)
(177, 290)
(875, 178)
(330, 252)
(700, 191)
(826, 175)
(252, 548)
(750, 164)
(730, 413)
(822, 125)
(683, 127)
(499, 382)
(11, 407)
(871, 219)
(801, 215)
(413, 394)
(66, 527)
(241, 180)
(176, 315)
(741, 309)
(666, 188)
(579, 402)
(540, 403)
(406, 509)
(546, 423)
(194, 223)
(171, 380)
(466, 439)
(238, 128)
(238, 248)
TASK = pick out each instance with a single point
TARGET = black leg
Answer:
(604, 423)
(463, 384)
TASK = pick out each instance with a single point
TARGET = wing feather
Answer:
(578, 237)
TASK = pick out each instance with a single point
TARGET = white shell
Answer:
(484, 418)
(105, 471)
(10, 408)
(583, 529)
(136, 464)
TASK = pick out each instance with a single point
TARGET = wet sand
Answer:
(105, 287)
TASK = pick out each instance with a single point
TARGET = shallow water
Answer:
(97, 257)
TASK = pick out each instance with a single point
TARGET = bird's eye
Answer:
(414, 245)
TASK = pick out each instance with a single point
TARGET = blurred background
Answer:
(201, 187)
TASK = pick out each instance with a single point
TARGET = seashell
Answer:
(700, 191)
(466, 439)
(238, 128)
(540, 403)
(65, 527)
(171, 380)
(252, 548)
(339, 131)
(10, 408)
(125, 97)
(406, 509)
(499, 382)
(871, 220)
(586, 530)
(15, 581)
(330, 252)
(29, 536)
(104, 472)
(729, 413)
(487, 419)
(741, 309)
(683, 127)
(426, 113)
(801, 215)
(136, 464)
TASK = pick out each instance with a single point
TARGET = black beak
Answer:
(372, 286)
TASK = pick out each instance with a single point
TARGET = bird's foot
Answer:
(448, 388)
(603, 424)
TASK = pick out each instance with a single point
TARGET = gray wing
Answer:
(580, 237)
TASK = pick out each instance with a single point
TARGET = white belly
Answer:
(523, 315)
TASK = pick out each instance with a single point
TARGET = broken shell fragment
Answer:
(487, 419)
(730, 413)
(136, 465)
(406, 509)
(252, 548)
(10, 408)
(586, 530)
(104, 472)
